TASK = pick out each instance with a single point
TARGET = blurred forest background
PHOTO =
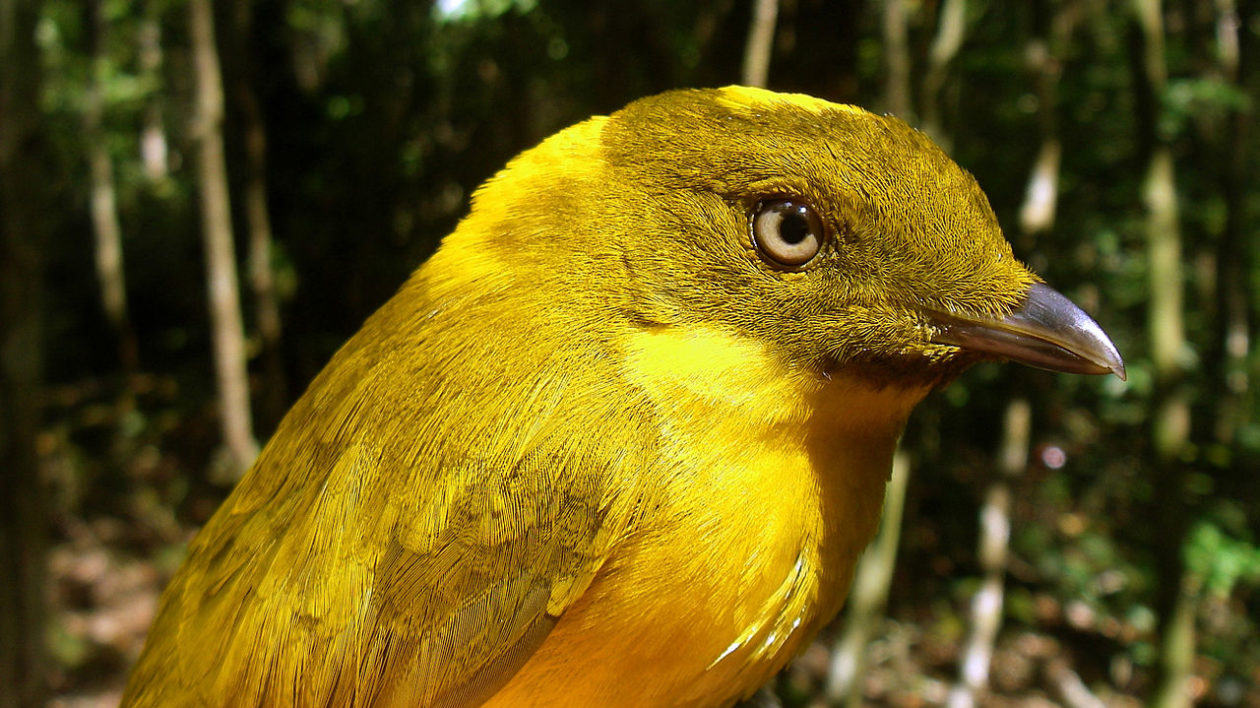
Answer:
(199, 201)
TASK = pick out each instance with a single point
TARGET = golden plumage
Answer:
(613, 444)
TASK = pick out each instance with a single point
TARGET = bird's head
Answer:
(843, 238)
(839, 239)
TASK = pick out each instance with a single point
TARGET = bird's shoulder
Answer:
(404, 536)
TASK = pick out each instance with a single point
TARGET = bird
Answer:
(621, 439)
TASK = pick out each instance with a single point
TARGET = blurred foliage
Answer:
(383, 116)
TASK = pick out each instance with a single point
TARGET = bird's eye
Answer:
(787, 231)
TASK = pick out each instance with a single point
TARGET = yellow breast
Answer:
(772, 483)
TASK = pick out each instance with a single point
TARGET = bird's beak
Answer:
(1048, 331)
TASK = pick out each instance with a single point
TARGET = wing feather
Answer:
(404, 544)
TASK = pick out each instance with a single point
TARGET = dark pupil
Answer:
(794, 227)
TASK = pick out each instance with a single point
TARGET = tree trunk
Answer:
(995, 538)
(153, 143)
(1175, 601)
(869, 595)
(261, 274)
(760, 42)
(110, 273)
(225, 308)
(896, 61)
(1233, 258)
(950, 30)
(23, 522)
(1045, 57)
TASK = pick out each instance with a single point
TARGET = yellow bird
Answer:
(620, 441)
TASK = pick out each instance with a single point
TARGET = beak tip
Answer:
(1047, 331)
(1109, 355)
(1119, 371)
